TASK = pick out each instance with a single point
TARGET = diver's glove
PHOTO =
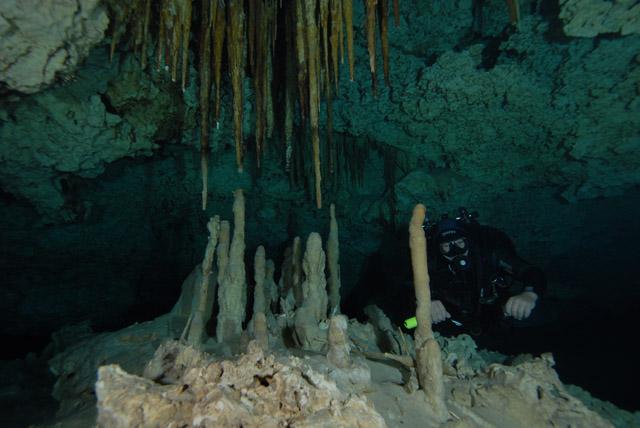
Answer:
(438, 312)
(521, 305)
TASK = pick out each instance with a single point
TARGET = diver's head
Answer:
(451, 238)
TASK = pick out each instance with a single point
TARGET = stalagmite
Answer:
(339, 346)
(260, 330)
(232, 292)
(333, 258)
(428, 354)
(259, 267)
(223, 250)
(314, 286)
(296, 271)
(235, 51)
(259, 320)
(199, 310)
(270, 288)
(307, 318)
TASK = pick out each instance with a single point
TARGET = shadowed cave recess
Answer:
(125, 128)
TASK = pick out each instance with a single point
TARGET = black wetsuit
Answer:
(475, 291)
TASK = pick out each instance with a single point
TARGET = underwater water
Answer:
(526, 112)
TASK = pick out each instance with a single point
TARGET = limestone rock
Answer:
(35, 48)
(588, 18)
(256, 390)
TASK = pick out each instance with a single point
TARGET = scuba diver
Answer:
(478, 282)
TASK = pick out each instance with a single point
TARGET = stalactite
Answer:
(301, 56)
(313, 48)
(160, 47)
(218, 45)
(185, 25)
(235, 50)
(204, 71)
(121, 13)
(371, 39)
(264, 12)
(256, 42)
(126, 20)
(347, 8)
(253, 20)
(514, 11)
(384, 37)
(290, 89)
(396, 12)
(336, 37)
(145, 32)
(324, 28)
(174, 30)
(268, 95)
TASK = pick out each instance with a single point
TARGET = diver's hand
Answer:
(521, 305)
(438, 312)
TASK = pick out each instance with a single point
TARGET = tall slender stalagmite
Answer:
(235, 50)
(199, 310)
(259, 274)
(232, 292)
(428, 354)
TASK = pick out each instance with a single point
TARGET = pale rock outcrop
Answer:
(588, 18)
(256, 390)
(40, 41)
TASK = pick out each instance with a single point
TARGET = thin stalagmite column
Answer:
(232, 292)
(199, 310)
(428, 354)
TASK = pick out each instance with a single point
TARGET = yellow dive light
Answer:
(410, 323)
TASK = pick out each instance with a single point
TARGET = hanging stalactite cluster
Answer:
(315, 35)
(308, 38)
